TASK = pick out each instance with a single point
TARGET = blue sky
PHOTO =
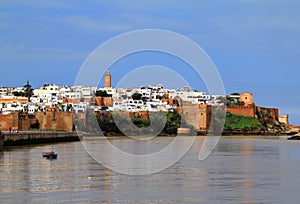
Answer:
(255, 44)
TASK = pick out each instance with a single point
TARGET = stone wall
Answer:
(24, 122)
(198, 116)
(71, 100)
(104, 101)
(6, 121)
(14, 121)
(241, 110)
(55, 120)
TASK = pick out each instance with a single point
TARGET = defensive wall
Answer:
(55, 120)
(104, 101)
(251, 111)
(9, 121)
(15, 121)
(199, 116)
(248, 111)
(52, 120)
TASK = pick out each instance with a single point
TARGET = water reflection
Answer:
(240, 170)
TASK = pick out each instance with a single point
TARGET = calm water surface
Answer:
(240, 170)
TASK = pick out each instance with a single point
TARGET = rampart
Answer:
(199, 116)
(15, 121)
(248, 111)
(104, 101)
(55, 120)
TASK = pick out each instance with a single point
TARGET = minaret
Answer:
(107, 80)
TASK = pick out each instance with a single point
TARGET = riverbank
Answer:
(258, 133)
(32, 137)
(40, 137)
(224, 133)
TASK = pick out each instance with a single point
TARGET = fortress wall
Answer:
(104, 101)
(6, 121)
(198, 116)
(241, 110)
(55, 120)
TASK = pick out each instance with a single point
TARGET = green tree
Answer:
(136, 96)
(28, 90)
(18, 93)
(107, 124)
(139, 122)
(173, 123)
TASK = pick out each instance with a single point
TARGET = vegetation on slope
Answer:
(238, 122)
(114, 124)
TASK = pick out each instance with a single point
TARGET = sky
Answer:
(254, 44)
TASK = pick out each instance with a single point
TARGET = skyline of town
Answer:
(61, 98)
(161, 101)
(253, 44)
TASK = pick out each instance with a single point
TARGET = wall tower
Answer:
(247, 98)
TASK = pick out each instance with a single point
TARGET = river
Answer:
(240, 170)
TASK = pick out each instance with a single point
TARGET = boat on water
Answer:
(50, 155)
(2, 137)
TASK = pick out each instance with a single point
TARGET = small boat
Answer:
(50, 155)
(45, 154)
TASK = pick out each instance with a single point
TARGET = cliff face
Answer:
(269, 118)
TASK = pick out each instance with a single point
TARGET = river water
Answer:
(240, 170)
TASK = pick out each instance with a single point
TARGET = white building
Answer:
(84, 91)
(47, 93)
(6, 91)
